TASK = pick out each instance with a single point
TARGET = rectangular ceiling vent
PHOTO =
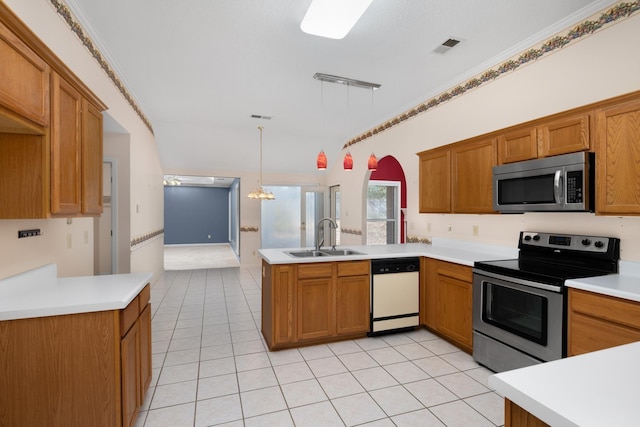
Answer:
(446, 46)
(258, 116)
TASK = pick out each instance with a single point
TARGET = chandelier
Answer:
(260, 193)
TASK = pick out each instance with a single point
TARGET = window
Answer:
(383, 213)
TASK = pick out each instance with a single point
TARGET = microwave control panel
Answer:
(574, 187)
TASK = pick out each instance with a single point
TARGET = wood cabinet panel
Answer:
(599, 321)
(24, 80)
(130, 362)
(353, 268)
(446, 300)
(92, 158)
(518, 145)
(515, 416)
(618, 159)
(435, 181)
(565, 135)
(454, 309)
(24, 165)
(61, 370)
(352, 303)
(146, 371)
(314, 270)
(278, 304)
(472, 165)
(66, 146)
(315, 308)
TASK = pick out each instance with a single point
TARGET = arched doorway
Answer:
(386, 199)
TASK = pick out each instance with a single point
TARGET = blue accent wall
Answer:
(191, 214)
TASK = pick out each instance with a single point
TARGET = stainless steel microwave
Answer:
(551, 184)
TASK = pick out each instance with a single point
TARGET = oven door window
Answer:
(516, 311)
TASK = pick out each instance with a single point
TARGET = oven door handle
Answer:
(558, 187)
(518, 281)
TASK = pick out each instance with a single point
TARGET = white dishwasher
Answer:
(395, 294)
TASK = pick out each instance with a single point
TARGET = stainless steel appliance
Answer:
(519, 305)
(557, 183)
(395, 294)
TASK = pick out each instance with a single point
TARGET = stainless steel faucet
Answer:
(332, 224)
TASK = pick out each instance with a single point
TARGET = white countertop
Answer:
(40, 293)
(456, 251)
(624, 285)
(591, 390)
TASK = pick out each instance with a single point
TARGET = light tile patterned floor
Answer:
(211, 368)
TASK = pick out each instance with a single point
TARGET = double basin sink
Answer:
(310, 253)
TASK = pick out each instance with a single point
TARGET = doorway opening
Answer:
(385, 201)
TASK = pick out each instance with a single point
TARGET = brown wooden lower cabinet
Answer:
(446, 299)
(76, 369)
(515, 416)
(310, 303)
(596, 322)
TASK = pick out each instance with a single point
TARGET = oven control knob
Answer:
(586, 242)
(527, 238)
(536, 237)
(599, 244)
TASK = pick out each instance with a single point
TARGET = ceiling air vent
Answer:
(446, 46)
(258, 116)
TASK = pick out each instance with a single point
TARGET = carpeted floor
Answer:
(194, 257)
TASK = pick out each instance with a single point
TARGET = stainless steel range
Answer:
(519, 305)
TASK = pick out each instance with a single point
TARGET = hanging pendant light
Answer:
(347, 163)
(372, 164)
(321, 161)
(259, 193)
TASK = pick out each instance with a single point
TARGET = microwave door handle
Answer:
(557, 187)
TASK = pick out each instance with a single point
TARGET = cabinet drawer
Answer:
(456, 271)
(605, 307)
(353, 268)
(588, 334)
(313, 271)
(129, 315)
(144, 296)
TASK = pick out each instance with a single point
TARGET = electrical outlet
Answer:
(29, 233)
(68, 240)
(86, 237)
(449, 229)
(475, 230)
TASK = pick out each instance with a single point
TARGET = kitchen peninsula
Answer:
(318, 299)
(74, 351)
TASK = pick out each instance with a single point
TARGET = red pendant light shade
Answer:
(373, 162)
(321, 161)
(348, 162)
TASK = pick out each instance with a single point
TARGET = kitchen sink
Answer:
(340, 252)
(322, 253)
(306, 254)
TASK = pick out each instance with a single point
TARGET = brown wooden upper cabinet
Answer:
(550, 137)
(24, 86)
(50, 132)
(472, 179)
(457, 178)
(618, 158)
(435, 180)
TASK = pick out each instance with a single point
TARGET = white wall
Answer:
(596, 67)
(147, 214)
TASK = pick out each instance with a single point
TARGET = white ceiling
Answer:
(200, 68)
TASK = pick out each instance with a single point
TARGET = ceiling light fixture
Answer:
(171, 181)
(333, 19)
(345, 81)
(259, 193)
(321, 161)
(347, 163)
